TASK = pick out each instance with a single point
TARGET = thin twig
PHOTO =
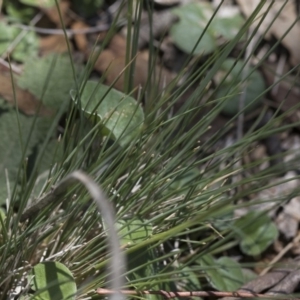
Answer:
(69, 32)
(215, 294)
(288, 247)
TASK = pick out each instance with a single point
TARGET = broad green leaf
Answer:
(2, 217)
(2, 214)
(183, 180)
(133, 231)
(194, 17)
(121, 115)
(256, 232)
(52, 155)
(189, 279)
(248, 275)
(49, 78)
(24, 297)
(224, 274)
(140, 263)
(233, 87)
(5, 105)
(39, 3)
(222, 222)
(52, 280)
(12, 145)
(18, 11)
(26, 47)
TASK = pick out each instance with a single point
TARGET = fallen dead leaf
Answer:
(279, 189)
(278, 281)
(53, 14)
(111, 63)
(53, 44)
(161, 23)
(282, 23)
(288, 220)
(26, 102)
(117, 45)
(80, 39)
(115, 68)
(287, 92)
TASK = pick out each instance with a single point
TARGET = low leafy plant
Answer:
(173, 188)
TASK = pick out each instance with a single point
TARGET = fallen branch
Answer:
(215, 294)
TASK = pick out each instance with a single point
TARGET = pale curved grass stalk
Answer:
(117, 262)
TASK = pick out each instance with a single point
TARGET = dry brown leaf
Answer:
(53, 43)
(53, 13)
(26, 101)
(281, 25)
(112, 67)
(287, 93)
(104, 61)
(117, 45)
(273, 280)
(287, 285)
(280, 188)
(161, 23)
(80, 39)
(111, 63)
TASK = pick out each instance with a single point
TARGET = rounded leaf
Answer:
(224, 274)
(186, 32)
(52, 280)
(256, 232)
(121, 115)
(194, 18)
(49, 78)
(189, 279)
(133, 231)
(232, 88)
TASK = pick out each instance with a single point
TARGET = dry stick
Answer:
(289, 246)
(70, 32)
(117, 262)
(170, 295)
